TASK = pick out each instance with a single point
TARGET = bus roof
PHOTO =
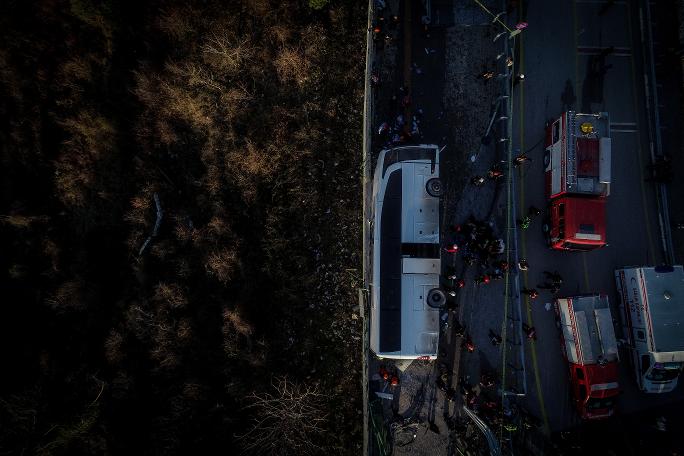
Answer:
(406, 262)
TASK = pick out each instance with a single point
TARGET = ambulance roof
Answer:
(664, 289)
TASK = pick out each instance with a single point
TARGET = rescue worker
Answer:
(502, 265)
(533, 212)
(468, 344)
(384, 374)
(554, 276)
(375, 80)
(531, 292)
(530, 332)
(450, 273)
(495, 338)
(495, 173)
(487, 380)
(486, 75)
(459, 329)
(553, 287)
(477, 181)
(521, 159)
(518, 79)
(451, 248)
(525, 222)
(482, 279)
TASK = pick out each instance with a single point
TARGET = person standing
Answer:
(530, 332)
(495, 338)
(554, 277)
(531, 292)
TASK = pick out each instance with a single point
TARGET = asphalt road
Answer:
(554, 54)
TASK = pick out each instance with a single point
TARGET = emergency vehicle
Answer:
(589, 346)
(577, 180)
(652, 311)
(405, 293)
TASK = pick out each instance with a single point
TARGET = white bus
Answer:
(405, 292)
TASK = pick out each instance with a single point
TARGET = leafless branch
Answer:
(288, 421)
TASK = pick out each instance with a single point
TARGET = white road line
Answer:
(601, 2)
(614, 54)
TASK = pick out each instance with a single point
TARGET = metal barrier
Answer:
(651, 90)
(365, 183)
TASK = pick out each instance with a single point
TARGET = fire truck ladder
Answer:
(571, 151)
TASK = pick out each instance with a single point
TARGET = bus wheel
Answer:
(436, 298)
(434, 187)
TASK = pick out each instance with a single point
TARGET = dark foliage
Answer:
(244, 118)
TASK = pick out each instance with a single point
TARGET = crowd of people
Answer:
(476, 241)
(402, 130)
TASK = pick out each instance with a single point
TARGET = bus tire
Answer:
(436, 298)
(434, 187)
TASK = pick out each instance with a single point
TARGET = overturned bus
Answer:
(405, 292)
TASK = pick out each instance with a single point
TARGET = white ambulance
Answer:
(652, 311)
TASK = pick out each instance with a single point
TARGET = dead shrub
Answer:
(260, 8)
(279, 33)
(292, 66)
(193, 108)
(217, 227)
(163, 249)
(226, 54)
(289, 420)
(236, 334)
(177, 22)
(91, 141)
(23, 221)
(113, 347)
(184, 330)
(69, 296)
(171, 294)
(222, 264)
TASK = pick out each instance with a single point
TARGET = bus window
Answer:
(555, 132)
(645, 363)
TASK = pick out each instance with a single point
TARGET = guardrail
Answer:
(653, 114)
(365, 183)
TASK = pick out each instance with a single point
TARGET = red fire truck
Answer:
(588, 345)
(577, 180)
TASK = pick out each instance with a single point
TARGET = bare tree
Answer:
(290, 421)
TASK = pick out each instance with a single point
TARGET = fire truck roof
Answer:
(580, 154)
(587, 329)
